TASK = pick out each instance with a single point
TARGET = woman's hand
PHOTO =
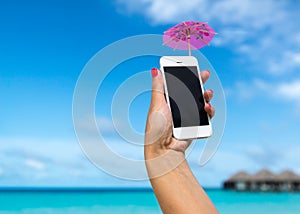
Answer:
(176, 188)
(158, 137)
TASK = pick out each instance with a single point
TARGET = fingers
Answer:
(204, 76)
(158, 97)
(208, 95)
(157, 88)
(209, 109)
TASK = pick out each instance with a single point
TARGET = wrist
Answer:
(153, 151)
(156, 151)
(159, 161)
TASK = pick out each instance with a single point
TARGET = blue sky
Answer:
(44, 46)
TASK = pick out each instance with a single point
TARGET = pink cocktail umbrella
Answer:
(189, 35)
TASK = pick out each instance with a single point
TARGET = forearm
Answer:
(177, 191)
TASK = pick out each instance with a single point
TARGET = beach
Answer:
(137, 201)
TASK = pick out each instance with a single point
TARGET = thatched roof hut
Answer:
(240, 176)
(263, 175)
(264, 180)
(288, 176)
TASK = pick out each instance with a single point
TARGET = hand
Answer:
(175, 187)
(158, 137)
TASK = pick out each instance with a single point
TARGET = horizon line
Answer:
(81, 189)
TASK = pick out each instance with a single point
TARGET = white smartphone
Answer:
(184, 94)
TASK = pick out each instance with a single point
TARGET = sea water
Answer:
(131, 201)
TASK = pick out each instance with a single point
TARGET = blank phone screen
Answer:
(185, 96)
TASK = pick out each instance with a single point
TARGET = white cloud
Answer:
(105, 125)
(250, 14)
(60, 163)
(245, 156)
(265, 32)
(230, 36)
(253, 14)
(288, 90)
(244, 91)
(163, 11)
(34, 164)
(289, 60)
(47, 162)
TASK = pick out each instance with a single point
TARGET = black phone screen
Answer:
(185, 96)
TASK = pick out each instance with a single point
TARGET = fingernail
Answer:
(211, 91)
(154, 72)
(209, 105)
(208, 71)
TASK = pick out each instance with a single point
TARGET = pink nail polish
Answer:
(154, 72)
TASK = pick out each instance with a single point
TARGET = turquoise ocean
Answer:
(133, 201)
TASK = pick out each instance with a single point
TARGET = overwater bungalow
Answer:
(264, 181)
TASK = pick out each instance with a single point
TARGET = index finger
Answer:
(204, 76)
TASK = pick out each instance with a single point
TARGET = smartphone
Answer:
(184, 95)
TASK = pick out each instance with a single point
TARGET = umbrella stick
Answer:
(189, 45)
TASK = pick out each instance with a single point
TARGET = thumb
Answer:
(158, 96)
